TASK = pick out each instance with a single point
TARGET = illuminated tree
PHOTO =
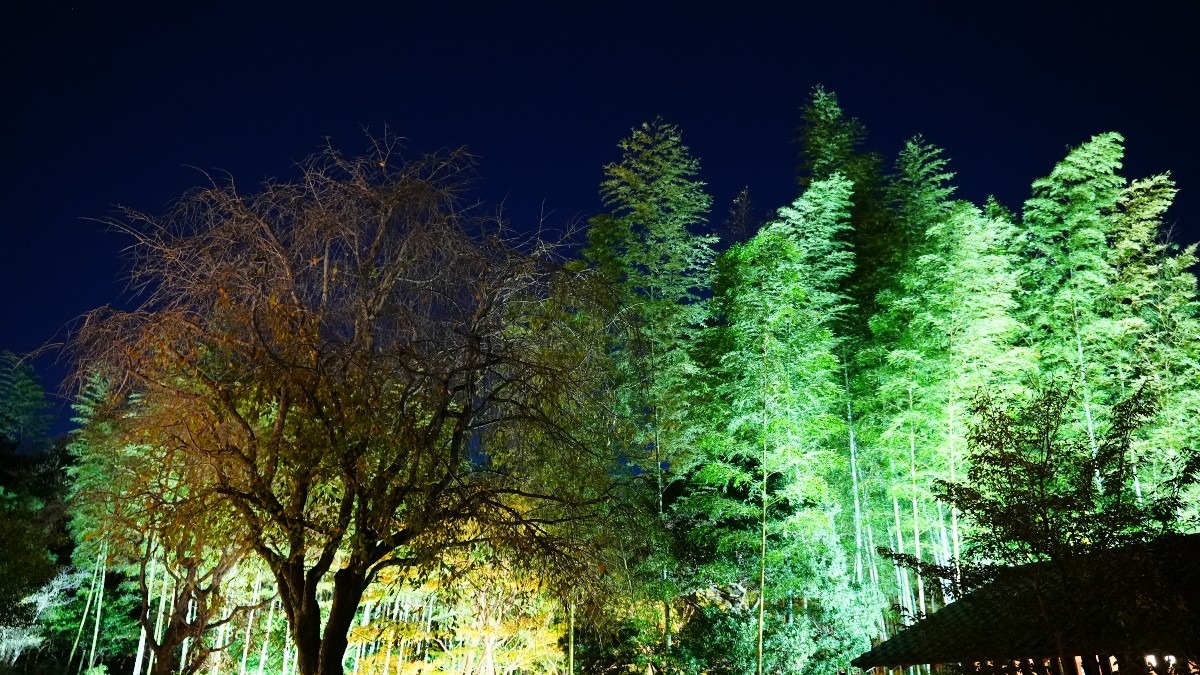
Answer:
(24, 418)
(761, 507)
(648, 249)
(1068, 222)
(150, 513)
(1037, 493)
(29, 520)
(832, 143)
(1155, 320)
(1110, 307)
(945, 331)
(362, 371)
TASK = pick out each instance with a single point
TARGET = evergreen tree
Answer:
(30, 492)
(151, 515)
(1068, 222)
(24, 412)
(761, 504)
(1153, 306)
(1039, 494)
(946, 332)
(1109, 304)
(832, 143)
(648, 247)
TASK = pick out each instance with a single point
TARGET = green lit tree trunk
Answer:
(97, 578)
(99, 606)
(858, 511)
(762, 551)
(916, 520)
(266, 638)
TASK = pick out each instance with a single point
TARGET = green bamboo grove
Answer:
(662, 450)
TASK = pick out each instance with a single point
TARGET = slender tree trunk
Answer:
(250, 624)
(955, 536)
(762, 557)
(216, 655)
(266, 640)
(139, 660)
(873, 566)
(366, 621)
(902, 588)
(660, 459)
(1083, 383)
(858, 515)
(99, 603)
(912, 465)
(87, 609)
(287, 652)
(163, 612)
(386, 648)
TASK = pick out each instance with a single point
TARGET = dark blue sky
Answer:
(112, 102)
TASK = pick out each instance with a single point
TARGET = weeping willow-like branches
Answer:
(363, 372)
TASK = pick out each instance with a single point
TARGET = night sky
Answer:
(114, 102)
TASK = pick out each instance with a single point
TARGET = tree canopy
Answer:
(357, 422)
(358, 374)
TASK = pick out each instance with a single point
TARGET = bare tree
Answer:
(371, 375)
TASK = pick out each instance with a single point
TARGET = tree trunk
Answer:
(299, 599)
(99, 604)
(266, 640)
(166, 656)
(318, 654)
(858, 514)
(348, 586)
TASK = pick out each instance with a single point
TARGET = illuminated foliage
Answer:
(152, 515)
(945, 330)
(356, 422)
(357, 376)
(761, 507)
(649, 250)
(24, 416)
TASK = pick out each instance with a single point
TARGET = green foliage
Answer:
(1036, 491)
(647, 244)
(945, 329)
(778, 298)
(1108, 303)
(26, 563)
(1068, 223)
(30, 505)
(24, 412)
(831, 144)
(647, 247)
(761, 506)
(665, 441)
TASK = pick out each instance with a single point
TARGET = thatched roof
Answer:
(1142, 599)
